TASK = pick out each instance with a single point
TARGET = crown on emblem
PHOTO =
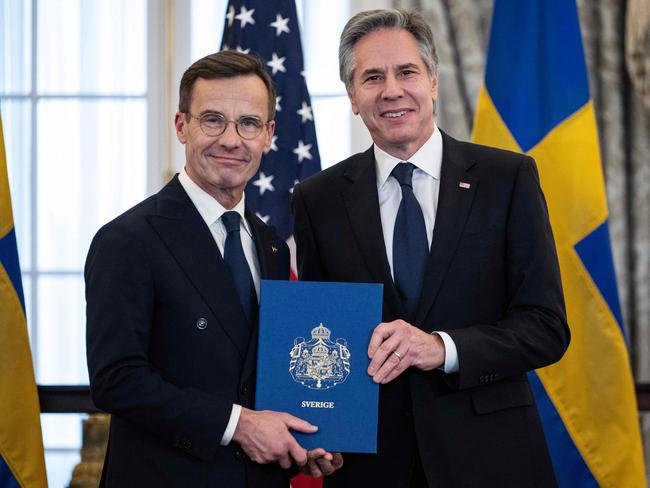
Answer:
(320, 332)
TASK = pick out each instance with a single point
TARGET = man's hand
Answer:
(396, 345)
(264, 436)
(322, 463)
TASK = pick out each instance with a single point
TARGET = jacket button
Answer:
(243, 389)
(201, 323)
(239, 454)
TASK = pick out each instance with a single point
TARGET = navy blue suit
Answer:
(169, 349)
(492, 282)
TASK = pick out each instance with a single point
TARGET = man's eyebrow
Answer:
(372, 71)
(401, 67)
(216, 112)
(210, 112)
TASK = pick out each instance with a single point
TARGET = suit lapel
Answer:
(273, 266)
(454, 204)
(190, 242)
(362, 203)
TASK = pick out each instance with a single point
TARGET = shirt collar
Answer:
(209, 208)
(428, 158)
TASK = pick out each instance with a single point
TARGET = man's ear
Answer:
(353, 102)
(180, 123)
(434, 87)
(268, 135)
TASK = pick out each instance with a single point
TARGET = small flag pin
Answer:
(465, 185)
(274, 249)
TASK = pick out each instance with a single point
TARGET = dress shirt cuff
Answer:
(451, 353)
(232, 424)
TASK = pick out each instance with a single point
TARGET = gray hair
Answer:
(371, 20)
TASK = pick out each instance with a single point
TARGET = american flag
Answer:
(269, 30)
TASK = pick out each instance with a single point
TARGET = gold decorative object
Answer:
(88, 472)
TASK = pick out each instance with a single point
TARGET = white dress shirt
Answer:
(211, 211)
(426, 187)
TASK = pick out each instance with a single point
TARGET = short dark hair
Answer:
(224, 64)
(369, 21)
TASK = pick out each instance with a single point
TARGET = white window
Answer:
(73, 98)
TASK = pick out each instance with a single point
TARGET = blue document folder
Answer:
(312, 360)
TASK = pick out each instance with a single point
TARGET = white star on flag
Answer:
(276, 64)
(280, 25)
(263, 218)
(230, 15)
(295, 182)
(245, 16)
(305, 112)
(278, 108)
(242, 50)
(273, 146)
(302, 151)
(264, 183)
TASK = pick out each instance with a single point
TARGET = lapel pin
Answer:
(464, 185)
(274, 249)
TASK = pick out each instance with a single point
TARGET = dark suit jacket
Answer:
(169, 349)
(492, 282)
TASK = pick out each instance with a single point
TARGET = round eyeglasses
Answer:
(214, 124)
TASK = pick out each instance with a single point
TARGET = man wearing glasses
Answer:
(172, 291)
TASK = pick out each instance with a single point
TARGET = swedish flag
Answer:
(535, 99)
(21, 444)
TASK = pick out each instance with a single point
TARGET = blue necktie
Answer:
(410, 244)
(233, 255)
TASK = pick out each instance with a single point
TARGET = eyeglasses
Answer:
(214, 124)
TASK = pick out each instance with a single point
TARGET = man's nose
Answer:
(392, 88)
(230, 137)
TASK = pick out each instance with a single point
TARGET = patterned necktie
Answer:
(238, 266)
(410, 245)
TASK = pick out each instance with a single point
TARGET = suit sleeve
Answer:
(533, 331)
(309, 267)
(120, 312)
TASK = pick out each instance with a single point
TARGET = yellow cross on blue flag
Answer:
(535, 99)
(21, 443)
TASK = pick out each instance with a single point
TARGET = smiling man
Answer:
(459, 236)
(172, 290)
